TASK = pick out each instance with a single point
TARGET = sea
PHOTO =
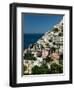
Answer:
(31, 39)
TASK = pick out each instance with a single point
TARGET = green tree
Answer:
(61, 62)
(36, 70)
(55, 30)
(43, 69)
(29, 56)
(55, 68)
(60, 34)
(47, 59)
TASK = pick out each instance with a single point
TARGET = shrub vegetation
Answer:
(29, 56)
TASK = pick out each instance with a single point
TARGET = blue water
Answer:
(31, 39)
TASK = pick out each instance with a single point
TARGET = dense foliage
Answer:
(55, 68)
(43, 69)
(29, 56)
(55, 30)
(47, 59)
(60, 34)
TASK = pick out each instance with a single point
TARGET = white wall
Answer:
(4, 43)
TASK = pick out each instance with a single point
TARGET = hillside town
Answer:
(46, 55)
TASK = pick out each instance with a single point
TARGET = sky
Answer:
(36, 23)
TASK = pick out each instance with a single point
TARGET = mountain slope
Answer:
(46, 55)
(50, 39)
